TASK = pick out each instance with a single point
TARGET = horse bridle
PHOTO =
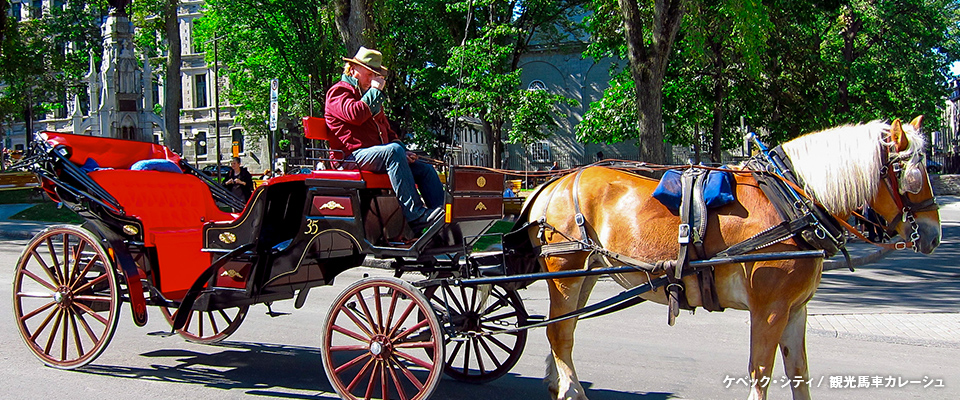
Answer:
(893, 172)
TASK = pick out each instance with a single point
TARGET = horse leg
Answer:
(793, 348)
(566, 295)
(766, 329)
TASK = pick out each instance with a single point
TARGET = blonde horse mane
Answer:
(840, 167)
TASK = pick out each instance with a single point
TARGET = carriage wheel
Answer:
(480, 309)
(65, 297)
(376, 344)
(209, 327)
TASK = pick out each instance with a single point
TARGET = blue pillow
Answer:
(90, 165)
(159, 164)
(717, 192)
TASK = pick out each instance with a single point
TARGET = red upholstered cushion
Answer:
(373, 180)
(173, 208)
(109, 152)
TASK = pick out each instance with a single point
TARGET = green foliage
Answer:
(41, 59)
(293, 41)
(612, 118)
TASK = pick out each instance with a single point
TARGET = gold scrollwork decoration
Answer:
(228, 237)
(332, 205)
(232, 273)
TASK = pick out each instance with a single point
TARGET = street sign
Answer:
(274, 105)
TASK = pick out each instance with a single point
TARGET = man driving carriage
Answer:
(355, 117)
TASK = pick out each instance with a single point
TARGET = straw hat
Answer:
(369, 59)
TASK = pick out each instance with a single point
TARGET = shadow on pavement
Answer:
(295, 372)
(911, 282)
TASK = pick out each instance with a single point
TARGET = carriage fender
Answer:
(120, 257)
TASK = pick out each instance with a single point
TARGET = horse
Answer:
(840, 168)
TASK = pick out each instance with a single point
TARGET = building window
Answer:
(156, 139)
(201, 143)
(16, 10)
(200, 88)
(537, 85)
(540, 151)
(36, 9)
(237, 137)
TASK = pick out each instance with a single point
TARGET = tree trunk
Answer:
(719, 93)
(648, 65)
(355, 23)
(4, 8)
(173, 86)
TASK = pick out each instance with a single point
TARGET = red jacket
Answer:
(351, 121)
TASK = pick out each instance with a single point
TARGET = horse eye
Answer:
(912, 180)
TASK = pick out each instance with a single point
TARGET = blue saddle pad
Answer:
(717, 191)
(159, 164)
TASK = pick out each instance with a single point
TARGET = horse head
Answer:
(905, 197)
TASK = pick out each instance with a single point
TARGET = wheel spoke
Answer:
(456, 350)
(92, 313)
(39, 280)
(90, 284)
(466, 358)
(48, 270)
(356, 379)
(500, 303)
(409, 374)
(384, 388)
(350, 363)
(412, 329)
(226, 317)
(76, 260)
(396, 379)
(199, 315)
(373, 376)
(65, 334)
(425, 364)
(453, 297)
(34, 295)
(92, 298)
(213, 324)
(353, 347)
(53, 332)
(499, 317)
(42, 308)
(403, 317)
(476, 350)
(350, 333)
(356, 320)
(415, 345)
(43, 325)
(53, 257)
(366, 312)
(379, 308)
(393, 307)
(86, 269)
(489, 352)
(76, 335)
(86, 327)
(500, 344)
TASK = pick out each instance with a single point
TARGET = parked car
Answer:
(211, 171)
(934, 167)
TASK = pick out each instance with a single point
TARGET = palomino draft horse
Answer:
(841, 168)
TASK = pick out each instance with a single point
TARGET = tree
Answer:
(160, 16)
(488, 77)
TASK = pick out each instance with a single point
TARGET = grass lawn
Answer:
(18, 196)
(491, 238)
(48, 212)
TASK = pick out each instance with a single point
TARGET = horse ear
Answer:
(898, 136)
(916, 122)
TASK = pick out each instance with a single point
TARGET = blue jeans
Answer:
(391, 158)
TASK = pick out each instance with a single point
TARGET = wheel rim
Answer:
(209, 326)
(470, 355)
(65, 297)
(376, 342)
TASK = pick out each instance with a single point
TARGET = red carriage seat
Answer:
(316, 128)
(108, 152)
(172, 207)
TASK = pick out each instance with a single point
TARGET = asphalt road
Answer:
(630, 355)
